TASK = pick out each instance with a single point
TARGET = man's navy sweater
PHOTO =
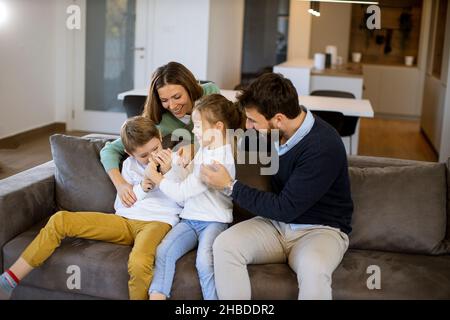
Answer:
(312, 185)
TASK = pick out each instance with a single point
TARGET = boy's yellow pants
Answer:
(143, 236)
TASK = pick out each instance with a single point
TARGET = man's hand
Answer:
(164, 159)
(151, 172)
(215, 176)
(126, 194)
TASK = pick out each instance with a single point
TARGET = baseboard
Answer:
(424, 134)
(389, 116)
(14, 141)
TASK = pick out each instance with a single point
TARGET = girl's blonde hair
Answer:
(215, 107)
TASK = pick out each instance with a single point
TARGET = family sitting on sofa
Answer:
(168, 203)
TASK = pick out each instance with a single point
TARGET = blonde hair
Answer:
(215, 107)
(138, 131)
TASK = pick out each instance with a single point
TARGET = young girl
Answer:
(206, 212)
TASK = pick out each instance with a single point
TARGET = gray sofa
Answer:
(401, 225)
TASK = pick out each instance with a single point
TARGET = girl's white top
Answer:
(200, 202)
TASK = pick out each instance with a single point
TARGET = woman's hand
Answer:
(124, 189)
(126, 194)
(164, 159)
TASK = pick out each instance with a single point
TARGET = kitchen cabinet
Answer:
(392, 90)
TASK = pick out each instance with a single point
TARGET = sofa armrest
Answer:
(25, 199)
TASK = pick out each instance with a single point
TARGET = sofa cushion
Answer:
(103, 266)
(81, 182)
(400, 209)
(95, 259)
(402, 276)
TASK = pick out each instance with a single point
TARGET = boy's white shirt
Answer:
(153, 205)
(200, 202)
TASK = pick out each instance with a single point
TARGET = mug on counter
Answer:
(409, 61)
(356, 57)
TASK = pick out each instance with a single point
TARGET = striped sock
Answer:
(8, 281)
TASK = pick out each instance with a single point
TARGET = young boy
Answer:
(142, 225)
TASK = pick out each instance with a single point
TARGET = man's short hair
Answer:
(270, 94)
(137, 131)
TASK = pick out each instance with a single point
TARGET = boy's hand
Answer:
(126, 194)
(151, 172)
(147, 184)
(164, 159)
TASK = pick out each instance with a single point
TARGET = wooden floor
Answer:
(378, 137)
(30, 153)
(390, 138)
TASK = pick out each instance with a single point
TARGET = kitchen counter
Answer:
(350, 70)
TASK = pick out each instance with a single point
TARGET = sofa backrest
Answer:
(400, 205)
(81, 182)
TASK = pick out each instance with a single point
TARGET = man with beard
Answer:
(306, 218)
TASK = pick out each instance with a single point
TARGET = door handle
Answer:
(139, 49)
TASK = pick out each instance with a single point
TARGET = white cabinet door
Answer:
(372, 79)
(399, 91)
(392, 90)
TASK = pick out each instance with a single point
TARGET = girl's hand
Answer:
(164, 159)
(185, 155)
(126, 194)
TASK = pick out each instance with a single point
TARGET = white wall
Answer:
(435, 120)
(64, 75)
(226, 28)
(204, 35)
(444, 150)
(444, 153)
(27, 66)
(37, 75)
(332, 28)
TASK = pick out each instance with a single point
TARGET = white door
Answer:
(110, 57)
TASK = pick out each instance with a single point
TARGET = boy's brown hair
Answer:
(137, 131)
